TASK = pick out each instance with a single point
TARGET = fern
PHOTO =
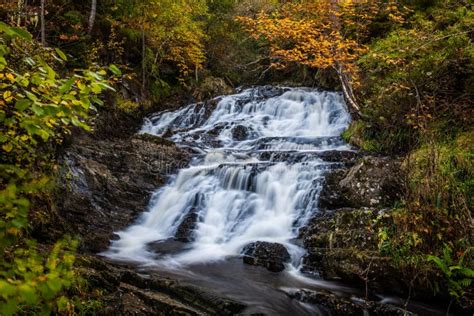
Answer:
(457, 275)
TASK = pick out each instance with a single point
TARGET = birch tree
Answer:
(92, 16)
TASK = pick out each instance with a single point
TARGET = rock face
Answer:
(342, 240)
(372, 182)
(272, 256)
(125, 292)
(342, 306)
(107, 184)
(343, 245)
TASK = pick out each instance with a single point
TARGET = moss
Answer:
(441, 174)
(355, 136)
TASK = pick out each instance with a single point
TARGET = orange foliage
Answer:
(320, 33)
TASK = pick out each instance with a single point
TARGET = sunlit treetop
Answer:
(320, 34)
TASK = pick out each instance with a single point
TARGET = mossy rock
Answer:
(154, 139)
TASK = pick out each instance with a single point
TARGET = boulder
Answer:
(371, 182)
(212, 87)
(272, 256)
(240, 133)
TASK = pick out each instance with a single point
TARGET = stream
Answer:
(256, 176)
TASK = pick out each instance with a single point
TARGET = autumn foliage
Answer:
(321, 34)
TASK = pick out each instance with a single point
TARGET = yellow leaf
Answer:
(7, 96)
(7, 147)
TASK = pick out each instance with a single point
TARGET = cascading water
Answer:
(256, 175)
(238, 196)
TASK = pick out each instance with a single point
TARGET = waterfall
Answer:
(257, 176)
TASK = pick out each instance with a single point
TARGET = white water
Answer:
(240, 197)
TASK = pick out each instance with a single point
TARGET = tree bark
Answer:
(43, 27)
(92, 16)
(20, 12)
(352, 105)
(143, 63)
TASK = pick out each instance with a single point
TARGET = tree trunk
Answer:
(43, 27)
(143, 63)
(20, 12)
(352, 106)
(92, 16)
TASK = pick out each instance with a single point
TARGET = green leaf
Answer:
(28, 294)
(22, 104)
(54, 284)
(105, 86)
(467, 272)
(75, 121)
(115, 70)
(31, 96)
(4, 27)
(96, 88)
(43, 134)
(66, 86)
(62, 303)
(6, 289)
(8, 308)
(51, 72)
(36, 108)
(61, 54)
(439, 263)
(21, 33)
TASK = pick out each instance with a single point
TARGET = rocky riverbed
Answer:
(108, 182)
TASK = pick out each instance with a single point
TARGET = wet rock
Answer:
(331, 196)
(240, 133)
(272, 256)
(108, 183)
(261, 93)
(217, 130)
(372, 182)
(341, 156)
(130, 293)
(342, 306)
(169, 246)
(185, 231)
(271, 91)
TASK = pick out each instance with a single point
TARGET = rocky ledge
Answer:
(107, 184)
(342, 240)
(124, 291)
(341, 306)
